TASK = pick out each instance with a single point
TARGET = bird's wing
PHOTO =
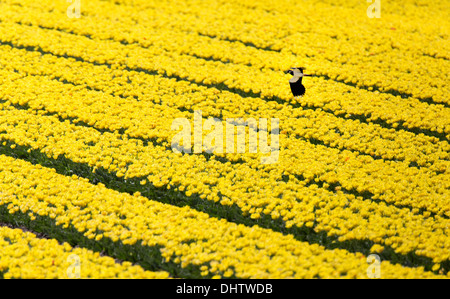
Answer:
(295, 79)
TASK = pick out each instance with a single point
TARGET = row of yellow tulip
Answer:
(350, 186)
(440, 123)
(26, 256)
(385, 107)
(398, 18)
(186, 237)
(330, 165)
(279, 17)
(371, 45)
(407, 9)
(255, 192)
(297, 157)
(405, 208)
(351, 28)
(149, 89)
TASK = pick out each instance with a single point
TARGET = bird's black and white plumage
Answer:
(296, 81)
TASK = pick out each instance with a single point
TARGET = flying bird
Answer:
(296, 81)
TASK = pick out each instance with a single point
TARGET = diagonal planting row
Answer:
(185, 237)
(298, 202)
(379, 107)
(439, 115)
(337, 214)
(399, 19)
(346, 58)
(26, 256)
(348, 169)
(147, 88)
(274, 21)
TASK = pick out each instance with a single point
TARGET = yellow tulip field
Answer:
(95, 94)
